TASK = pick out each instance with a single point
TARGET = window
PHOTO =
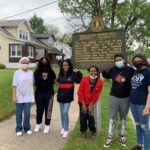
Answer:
(16, 50)
(23, 35)
(30, 51)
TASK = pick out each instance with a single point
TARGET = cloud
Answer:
(48, 13)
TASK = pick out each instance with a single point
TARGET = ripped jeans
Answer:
(142, 125)
(118, 106)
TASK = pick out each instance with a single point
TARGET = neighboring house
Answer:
(64, 48)
(48, 40)
(17, 40)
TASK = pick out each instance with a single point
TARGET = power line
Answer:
(28, 11)
(52, 20)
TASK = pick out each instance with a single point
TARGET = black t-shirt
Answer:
(120, 90)
(44, 83)
(140, 82)
(92, 85)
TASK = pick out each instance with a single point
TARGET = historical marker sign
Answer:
(97, 48)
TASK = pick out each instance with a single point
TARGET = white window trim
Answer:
(32, 51)
(16, 56)
(19, 30)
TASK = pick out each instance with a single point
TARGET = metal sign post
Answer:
(98, 116)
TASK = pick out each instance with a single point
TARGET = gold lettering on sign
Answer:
(97, 48)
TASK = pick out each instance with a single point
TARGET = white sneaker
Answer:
(62, 131)
(19, 133)
(46, 130)
(65, 135)
(37, 128)
(29, 132)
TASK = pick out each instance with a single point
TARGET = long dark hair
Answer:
(144, 59)
(70, 71)
(41, 66)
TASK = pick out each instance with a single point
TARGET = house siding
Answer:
(12, 30)
(4, 52)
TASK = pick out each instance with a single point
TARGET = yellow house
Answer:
(17, 39)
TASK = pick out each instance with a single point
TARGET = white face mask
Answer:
(93, 77)
(25, 66)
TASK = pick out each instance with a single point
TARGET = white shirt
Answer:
(23, 81)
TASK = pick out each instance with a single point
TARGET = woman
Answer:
(121, 76)
(66, 80)
(140, 101)
(88, 94)
(23, 95)
(44, 79)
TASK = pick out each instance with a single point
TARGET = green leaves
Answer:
(37, 24)
(131, 15)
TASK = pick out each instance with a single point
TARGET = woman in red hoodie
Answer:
(88, 94)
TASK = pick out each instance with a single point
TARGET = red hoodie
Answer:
(84, 91)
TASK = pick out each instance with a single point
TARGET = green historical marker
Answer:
(97, 46)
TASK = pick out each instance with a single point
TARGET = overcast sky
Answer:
(48, 13)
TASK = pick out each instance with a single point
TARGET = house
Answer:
(49, 40)
(17, 39)
(64, 48)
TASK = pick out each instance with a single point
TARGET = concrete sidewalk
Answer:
(37, 141)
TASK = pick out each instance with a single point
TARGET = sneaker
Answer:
(83, 135)
(108, 142)
(46, 129)
(62, 131)
(29, 132)
(65, 135)
(123, 140)
(37, 128)
(137, 147)
(19, 133)
(92, 135)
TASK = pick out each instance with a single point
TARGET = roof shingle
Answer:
(11, 23)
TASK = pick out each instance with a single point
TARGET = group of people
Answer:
(130, 88)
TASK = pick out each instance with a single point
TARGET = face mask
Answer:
(138, 65)
(119, 64)
(93, 78)
(25, 66)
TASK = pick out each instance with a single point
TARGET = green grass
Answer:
(7, 107)
(76, 143)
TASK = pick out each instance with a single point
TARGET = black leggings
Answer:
(86, 120)
(44, 102)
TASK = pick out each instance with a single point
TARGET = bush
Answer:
(2, 66)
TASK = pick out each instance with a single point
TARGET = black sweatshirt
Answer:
(120, 90)
(66, 86)
(44, 85)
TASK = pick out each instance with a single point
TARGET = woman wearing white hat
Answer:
(23, 95)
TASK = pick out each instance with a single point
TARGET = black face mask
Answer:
(44, 64)
(138, 65)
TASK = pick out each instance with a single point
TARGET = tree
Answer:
(37, 24)
(50, 28)
(130, 15)
(63, 37)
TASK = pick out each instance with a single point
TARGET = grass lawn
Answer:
(76, 143)
(6, 106)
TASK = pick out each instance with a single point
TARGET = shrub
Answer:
(2, 66)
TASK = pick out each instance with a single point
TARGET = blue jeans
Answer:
(64, 108)
(20, 108)
(142, 125)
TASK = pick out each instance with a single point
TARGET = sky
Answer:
(50, 13)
